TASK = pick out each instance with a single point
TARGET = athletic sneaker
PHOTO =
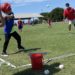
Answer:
(4, 54)
(21, 48)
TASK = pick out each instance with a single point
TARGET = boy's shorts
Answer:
(71, 22)
(20, 27)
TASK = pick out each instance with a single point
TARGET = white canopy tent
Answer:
(27, 15)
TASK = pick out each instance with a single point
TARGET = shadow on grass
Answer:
(26, 50)
(53, 68)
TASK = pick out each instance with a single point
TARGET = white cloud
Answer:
(21, 2)
(10, 1)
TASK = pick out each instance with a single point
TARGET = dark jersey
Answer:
(8, 24)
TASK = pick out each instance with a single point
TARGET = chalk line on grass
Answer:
(51, 59)
(28, 65)
(2, 61)
(58, 57)
(8, 63)
(23, 66)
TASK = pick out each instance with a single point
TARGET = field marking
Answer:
(58, 57)
(51, 59)
(23, 66)
(6, 62)
(2, 61)
(27, 65)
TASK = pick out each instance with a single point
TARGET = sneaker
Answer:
(21, 48)
(4, 54)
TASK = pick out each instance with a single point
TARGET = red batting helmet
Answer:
(5, 7)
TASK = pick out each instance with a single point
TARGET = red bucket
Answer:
(36, 61)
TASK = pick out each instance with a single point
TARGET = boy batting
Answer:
(8, 26)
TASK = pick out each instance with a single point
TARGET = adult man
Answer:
(69, 13)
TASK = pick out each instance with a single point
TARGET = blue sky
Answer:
(37, 6)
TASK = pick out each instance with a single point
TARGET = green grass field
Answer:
(56, 41)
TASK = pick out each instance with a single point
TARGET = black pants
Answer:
(7, 38)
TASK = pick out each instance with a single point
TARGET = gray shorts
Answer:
(71, 21)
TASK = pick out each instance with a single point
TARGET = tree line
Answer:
(55, 15)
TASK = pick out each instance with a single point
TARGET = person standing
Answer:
(8, 26)
(69, 13)
(20, 25)
(49, 22)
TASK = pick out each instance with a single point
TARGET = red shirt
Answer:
(69, 13)
(0, 8)
(19, 22)
(49, 21)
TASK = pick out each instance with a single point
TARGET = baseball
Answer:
(46, 72)
(61, 66)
